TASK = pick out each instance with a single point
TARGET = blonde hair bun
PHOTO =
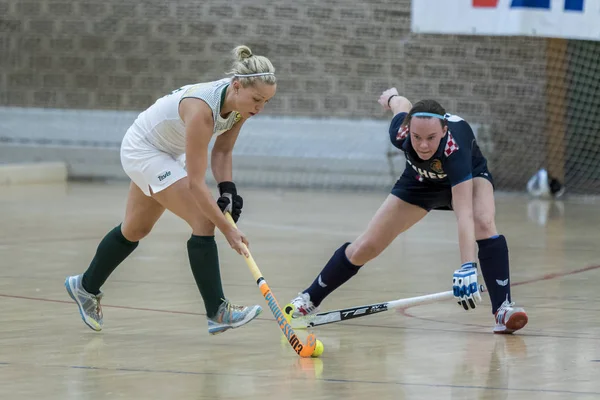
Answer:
(242, 52)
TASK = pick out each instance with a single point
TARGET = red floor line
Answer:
(103, 305)
(402, 311)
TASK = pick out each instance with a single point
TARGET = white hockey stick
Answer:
(345, 314)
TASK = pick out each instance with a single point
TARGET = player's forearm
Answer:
(221, 164)
(399, 104)
(466, 238)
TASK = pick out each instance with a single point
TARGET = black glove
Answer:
(229, 200)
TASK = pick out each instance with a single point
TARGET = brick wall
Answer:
(331, 60)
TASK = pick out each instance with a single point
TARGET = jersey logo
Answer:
(451, 145)
(402, 133)
(424, 174)
(238, 116)
(436, 166)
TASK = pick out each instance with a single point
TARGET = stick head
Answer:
(309, 348)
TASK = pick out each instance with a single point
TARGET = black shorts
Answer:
(427, 195)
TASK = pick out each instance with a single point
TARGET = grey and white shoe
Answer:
(231, 316)
(89, 304)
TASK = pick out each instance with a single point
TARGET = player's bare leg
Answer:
(141, 214)
(393, 217)
(204, 260)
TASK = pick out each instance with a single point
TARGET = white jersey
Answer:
(161, 127)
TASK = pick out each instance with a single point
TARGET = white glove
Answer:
(465, 286)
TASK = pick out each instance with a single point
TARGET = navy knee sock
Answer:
(335, 273)
(493, 259)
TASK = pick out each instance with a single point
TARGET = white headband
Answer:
(251, 75)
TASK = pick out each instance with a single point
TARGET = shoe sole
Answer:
(223, 328)
(516, 321)
(72, 295)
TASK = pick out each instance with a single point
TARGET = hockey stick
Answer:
(345, 314)
(302, 349)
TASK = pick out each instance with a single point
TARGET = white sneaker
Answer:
(89, 305)
(231, 316)
(303, 306)
(510, 319)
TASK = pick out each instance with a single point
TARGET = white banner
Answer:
(571, 19)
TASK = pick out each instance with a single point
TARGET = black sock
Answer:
(335, 273)
(111, 252)
(204, 260)
(493, 259)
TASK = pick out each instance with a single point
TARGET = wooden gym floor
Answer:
(155, 345)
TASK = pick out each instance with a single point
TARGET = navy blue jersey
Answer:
(456, 160)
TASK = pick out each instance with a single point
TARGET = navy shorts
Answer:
(427, 195)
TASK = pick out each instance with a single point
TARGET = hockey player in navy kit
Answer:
(445, 170)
